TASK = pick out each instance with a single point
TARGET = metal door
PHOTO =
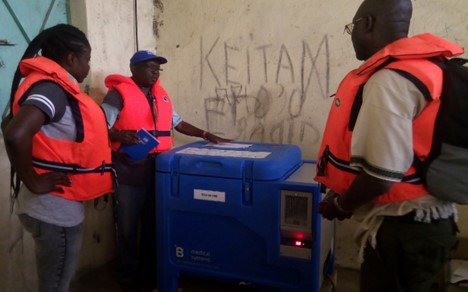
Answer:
(21, 21)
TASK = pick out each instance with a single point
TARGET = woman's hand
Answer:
(48, 182)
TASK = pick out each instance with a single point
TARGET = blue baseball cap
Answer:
(142, 56)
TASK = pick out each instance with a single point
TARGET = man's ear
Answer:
(369, 23)
(132, 68)
(70, 59)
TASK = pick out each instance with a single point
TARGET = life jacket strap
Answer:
(344, 165)
(157, 133)
(72, 168)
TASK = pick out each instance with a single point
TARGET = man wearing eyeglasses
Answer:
(131, 104)
(381, 117)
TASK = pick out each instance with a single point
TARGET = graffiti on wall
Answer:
(264, 92)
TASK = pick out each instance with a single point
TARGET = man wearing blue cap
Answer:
(133, 103)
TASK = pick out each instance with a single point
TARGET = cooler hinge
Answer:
(247, 182)
(175, 176)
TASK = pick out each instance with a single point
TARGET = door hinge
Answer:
(5, 43)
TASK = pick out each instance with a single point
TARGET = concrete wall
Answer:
(253, 70)
(263, 70)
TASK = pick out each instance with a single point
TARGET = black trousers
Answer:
(409, 255)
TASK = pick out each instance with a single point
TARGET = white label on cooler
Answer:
(208, 195)
(224, 152)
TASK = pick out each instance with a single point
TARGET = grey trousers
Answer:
(57, 249)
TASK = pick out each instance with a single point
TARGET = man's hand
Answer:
(125, 137)
(330, 208)
(215, 139)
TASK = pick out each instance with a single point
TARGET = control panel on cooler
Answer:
(295, 225)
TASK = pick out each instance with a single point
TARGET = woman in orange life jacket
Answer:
(57, 142)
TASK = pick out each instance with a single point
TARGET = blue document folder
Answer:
(141, 149)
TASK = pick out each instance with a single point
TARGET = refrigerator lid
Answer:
(257, 161)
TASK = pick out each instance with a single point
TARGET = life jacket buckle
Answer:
(322, 162)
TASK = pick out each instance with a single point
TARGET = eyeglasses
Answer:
(349, 27)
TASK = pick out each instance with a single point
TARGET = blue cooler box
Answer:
(243, 213)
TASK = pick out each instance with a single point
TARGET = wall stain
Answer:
(159, 7)
(155, 28)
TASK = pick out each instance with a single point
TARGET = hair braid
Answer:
(54, 43)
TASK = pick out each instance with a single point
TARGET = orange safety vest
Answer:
(137, 112)
(408, 55)
(88, 158)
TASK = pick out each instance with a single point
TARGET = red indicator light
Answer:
(298, 243)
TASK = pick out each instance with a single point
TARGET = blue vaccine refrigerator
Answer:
(241, 213)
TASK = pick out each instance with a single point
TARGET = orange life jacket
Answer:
(137, 112)
(88, 158)
(407, 55)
